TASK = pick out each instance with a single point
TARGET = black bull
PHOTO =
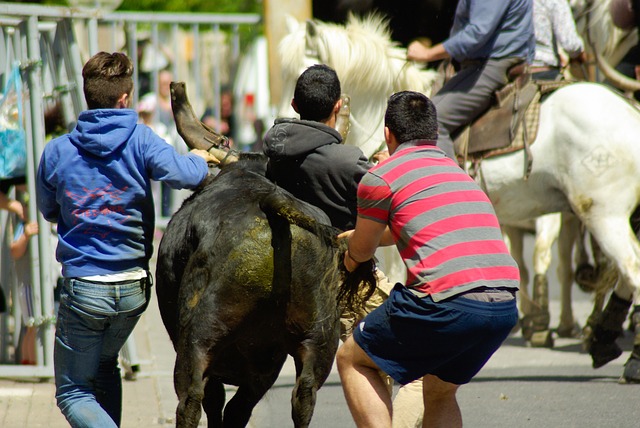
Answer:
(247, 274)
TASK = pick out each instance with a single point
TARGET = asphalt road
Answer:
(519, 387)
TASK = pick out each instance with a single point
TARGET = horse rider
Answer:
(487, 39)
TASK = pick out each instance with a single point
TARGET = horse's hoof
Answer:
(542, 339)
(527, 329)
(631, 372)
(587, 337)
(585, 277)
(571, 332)
(602, 353)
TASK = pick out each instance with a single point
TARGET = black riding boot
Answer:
(603, 347)
(632, 366)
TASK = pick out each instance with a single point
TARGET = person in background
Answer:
(8, 204)
(487, 39)
(226, 125)
(458, 303)
(11, 206)
(22, 234)
(554, 29)
(95, 184)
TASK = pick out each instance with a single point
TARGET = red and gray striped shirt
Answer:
(444, 225)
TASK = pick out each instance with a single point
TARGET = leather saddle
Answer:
(510, 124)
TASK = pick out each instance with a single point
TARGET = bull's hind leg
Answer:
(238, 410)
(188, 378)
(313, 365)
(213, 402)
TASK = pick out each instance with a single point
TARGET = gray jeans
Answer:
(468, 94)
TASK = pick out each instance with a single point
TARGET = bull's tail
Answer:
(281, 242)
(356, 287)
(276, 204)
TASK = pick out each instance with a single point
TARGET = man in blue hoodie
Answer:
(95, 183)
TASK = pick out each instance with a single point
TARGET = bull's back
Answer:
(224, 263)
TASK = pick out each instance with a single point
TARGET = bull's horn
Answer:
(196, 134)
(616, 78)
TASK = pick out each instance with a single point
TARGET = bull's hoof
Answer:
(602, 353)
(631, 372)
(542, 339)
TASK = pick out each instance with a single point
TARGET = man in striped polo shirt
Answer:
(458, 304)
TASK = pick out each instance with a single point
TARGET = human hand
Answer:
(581, 58)
(31, 229)
(16, 207)
(418, 51)
(382, 155)
(208, 157)
(345, 234)
(349, 263)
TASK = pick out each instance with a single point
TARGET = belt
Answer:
(542, 68)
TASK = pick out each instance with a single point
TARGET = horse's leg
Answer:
(618, 242)
(189, 384)
(568, 239)
(599, 280)
(547, 231)
(515, 240)
(313, 365)
(238, 410)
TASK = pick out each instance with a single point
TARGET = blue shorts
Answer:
(409, 337)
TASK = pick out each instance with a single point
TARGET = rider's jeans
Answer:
(94, 321)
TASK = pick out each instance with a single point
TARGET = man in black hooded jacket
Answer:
(306, 155)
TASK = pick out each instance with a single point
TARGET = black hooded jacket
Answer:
(307, 159)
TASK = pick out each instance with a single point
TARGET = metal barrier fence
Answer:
(50, 45)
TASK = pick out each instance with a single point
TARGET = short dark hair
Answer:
(411, 116)
(317, 92)
(107, 76)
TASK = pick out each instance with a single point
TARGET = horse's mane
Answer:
(369, 64)
(362, 50)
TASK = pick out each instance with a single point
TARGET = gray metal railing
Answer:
(51, 44)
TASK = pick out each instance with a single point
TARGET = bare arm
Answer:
(364, 240)
(18, 248)
(11, 205)
(418, 51)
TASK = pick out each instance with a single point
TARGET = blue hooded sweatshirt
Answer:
(95, 183)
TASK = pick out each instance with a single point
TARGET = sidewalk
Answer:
(148, 401)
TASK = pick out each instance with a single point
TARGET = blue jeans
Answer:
(94, 321)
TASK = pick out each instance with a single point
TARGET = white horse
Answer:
(312, 43)
(585, 157)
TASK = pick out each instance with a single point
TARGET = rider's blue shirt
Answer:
(492, 29)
